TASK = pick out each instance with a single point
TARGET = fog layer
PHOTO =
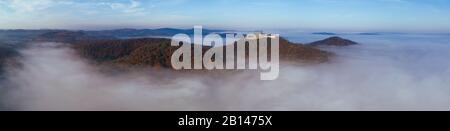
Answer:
(379, 74)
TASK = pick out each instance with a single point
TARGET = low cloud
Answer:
(33, 5)
(387, 76)
(133, 6)
(27, 6)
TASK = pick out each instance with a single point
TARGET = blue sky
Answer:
(299, 15)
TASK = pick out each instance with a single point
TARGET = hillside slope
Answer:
(333, 41)
(157, 52)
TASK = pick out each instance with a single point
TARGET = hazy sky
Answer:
(301, 15)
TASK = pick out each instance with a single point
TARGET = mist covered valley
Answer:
(383, 72)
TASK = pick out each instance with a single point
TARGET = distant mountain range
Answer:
(372, 33)
(132, 33)
(330, 33)
(23, 36)
(323, 33)
(359, 33)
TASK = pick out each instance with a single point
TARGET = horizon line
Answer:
(287, 30)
